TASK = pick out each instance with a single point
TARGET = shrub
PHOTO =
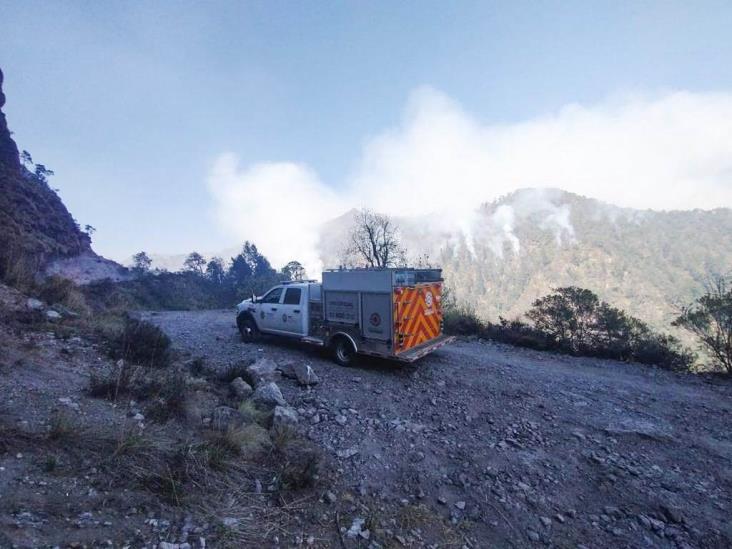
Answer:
(60, 292)
(169, 393)
(521, 334)
(143, 343)
(568, 316)
(115, 381)
(709, 318)
(18, 267)
(461, 320)
(299, 463)
(574, 320)
(62, 426)
(55, 289)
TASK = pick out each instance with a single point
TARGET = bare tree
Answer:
(374, 241)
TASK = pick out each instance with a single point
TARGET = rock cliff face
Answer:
(35, 226)
(8, 149)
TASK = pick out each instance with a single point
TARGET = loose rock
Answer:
(267, 396)
(241, 389)
(284, 417)
(301, 372)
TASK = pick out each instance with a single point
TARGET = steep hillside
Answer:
(519, 247)
(645, 262)
(36, 229)
(35, 226)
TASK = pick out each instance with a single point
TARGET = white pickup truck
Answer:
(392, 313)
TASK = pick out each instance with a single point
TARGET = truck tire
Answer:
(247, 328)
(343, 351)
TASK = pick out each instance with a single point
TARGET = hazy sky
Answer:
(175, 126)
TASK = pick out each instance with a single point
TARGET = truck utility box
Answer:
(394, 313)
(391, 310)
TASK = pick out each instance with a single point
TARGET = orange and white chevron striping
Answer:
(417, 315)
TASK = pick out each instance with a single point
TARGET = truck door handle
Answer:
(296, 311)
(274, 308)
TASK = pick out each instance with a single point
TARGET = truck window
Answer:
(292, 296)
(273, 296)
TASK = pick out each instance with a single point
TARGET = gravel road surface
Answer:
(507, 446)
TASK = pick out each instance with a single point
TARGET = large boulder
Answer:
(267, 396)
(301, 372)
(262, 371)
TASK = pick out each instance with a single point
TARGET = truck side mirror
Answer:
(254, 298)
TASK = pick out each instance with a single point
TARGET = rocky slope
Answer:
(35, 226)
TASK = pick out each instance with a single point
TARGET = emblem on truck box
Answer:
(428, 300)
(375, 319)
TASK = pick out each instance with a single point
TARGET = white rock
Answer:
(52, 315)
(355, 529)
(66, 401)
(35, 304)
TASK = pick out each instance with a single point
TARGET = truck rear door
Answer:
(417, 315)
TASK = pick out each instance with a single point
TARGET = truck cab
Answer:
(283, 310)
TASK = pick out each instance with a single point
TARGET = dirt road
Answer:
(511, 447)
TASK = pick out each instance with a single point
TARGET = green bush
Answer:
(461, 320)
(573, 320)
(521, 334)
(709, 318)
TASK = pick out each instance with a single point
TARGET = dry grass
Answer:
(113, 382)
(251, 520)
(17, 267)
(417, 517)
(62, 291)
(248, 442)
(62, 426)
(252, 414)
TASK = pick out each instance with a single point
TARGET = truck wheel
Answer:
(343, 351)
(247, 328)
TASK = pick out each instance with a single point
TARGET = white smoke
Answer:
(668, 151)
